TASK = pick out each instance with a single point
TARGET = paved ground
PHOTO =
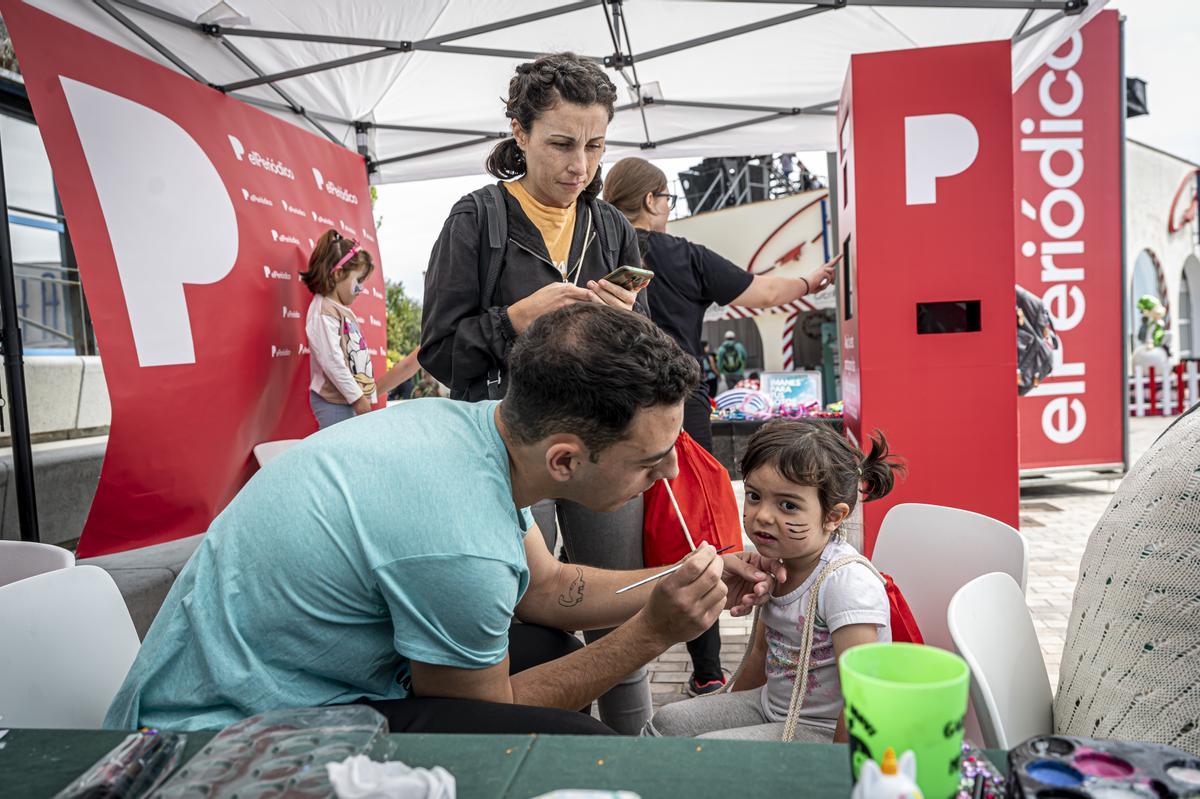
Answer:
(1056, 520)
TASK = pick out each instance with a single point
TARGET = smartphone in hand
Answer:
(630, 277)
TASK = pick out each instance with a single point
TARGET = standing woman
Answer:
(688, 278)
(510, 252)
(480, 294)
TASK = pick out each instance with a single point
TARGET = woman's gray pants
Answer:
(607, 541)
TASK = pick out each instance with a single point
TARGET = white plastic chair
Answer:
(268, 451)
(66, 644)
(1010, 690)
(932, 551)
(21, 559)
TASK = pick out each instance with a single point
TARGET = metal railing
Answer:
(60, 290)
(736, 181)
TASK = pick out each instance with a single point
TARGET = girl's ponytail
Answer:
(878, 469)
(318, 277)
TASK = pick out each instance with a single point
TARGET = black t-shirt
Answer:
(687, 279)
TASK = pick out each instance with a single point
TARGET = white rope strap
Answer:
(798, 687)
(793, 716)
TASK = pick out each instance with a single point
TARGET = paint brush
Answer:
(679, 515)
(664, 573)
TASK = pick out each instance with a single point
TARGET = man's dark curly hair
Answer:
(587, 369)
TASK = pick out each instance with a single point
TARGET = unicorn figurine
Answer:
(886, 781)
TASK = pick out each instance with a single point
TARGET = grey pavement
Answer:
(1056, 521)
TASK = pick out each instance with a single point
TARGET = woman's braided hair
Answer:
(539, 86)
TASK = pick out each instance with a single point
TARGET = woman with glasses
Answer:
(688, 278)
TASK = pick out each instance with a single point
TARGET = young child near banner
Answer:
(343, 381)
(802, 481)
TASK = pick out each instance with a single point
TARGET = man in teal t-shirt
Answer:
(383, 560)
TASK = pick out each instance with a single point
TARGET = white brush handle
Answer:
(679, 513)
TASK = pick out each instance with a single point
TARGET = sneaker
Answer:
(703, 688)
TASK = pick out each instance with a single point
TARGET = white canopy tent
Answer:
(417, 86)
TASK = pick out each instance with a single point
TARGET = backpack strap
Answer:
(493, 236)
(810, 615)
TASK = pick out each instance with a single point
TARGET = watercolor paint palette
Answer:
(1063, 767)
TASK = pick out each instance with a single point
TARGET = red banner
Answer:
(1067, 144)
(192, 215)
(926, 285)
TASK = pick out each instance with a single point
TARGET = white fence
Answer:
(1157, 393)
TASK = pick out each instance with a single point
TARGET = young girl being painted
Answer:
(802, 481)
(343, 381)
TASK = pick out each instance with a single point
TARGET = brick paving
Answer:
(1056, 520)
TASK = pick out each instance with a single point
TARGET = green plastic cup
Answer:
(907, 696)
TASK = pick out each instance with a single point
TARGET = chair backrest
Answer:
(932, 551)
(66, 644)
(21, 559)
(1010, 690)
(268, 451)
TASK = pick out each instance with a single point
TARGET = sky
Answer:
(1162, 38)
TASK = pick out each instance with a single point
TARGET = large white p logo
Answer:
(169, 217)
(935, 146)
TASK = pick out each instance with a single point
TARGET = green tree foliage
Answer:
(403, 321)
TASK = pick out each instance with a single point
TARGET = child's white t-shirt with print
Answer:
(850, 595)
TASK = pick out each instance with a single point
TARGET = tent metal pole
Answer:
(835, 246)
(1024, 22)
(155, 44)
(153, 11)
(835, 193)
(14, 374)
(391, 44)
(292, 104)
(617, 26)
(720, 129)
(264, 103)
(527, 55)
(738, 31)
(295, 73)
(1038, 28)
(317, 38)
(738, 107)
(451, 131)
(433, 151)
(512, 21)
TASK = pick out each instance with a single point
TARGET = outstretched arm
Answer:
(403, 369)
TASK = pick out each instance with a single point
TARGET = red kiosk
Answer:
(926, 297)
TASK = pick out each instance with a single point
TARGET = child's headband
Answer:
(353, 251)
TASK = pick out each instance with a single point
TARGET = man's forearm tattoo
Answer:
(574, 593)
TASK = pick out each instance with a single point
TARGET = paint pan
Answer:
(1066, 767)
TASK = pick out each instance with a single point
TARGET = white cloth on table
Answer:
(360, 777)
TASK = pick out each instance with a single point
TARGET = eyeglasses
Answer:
(671, 198)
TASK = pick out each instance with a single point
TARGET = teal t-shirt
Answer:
(388, 537)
